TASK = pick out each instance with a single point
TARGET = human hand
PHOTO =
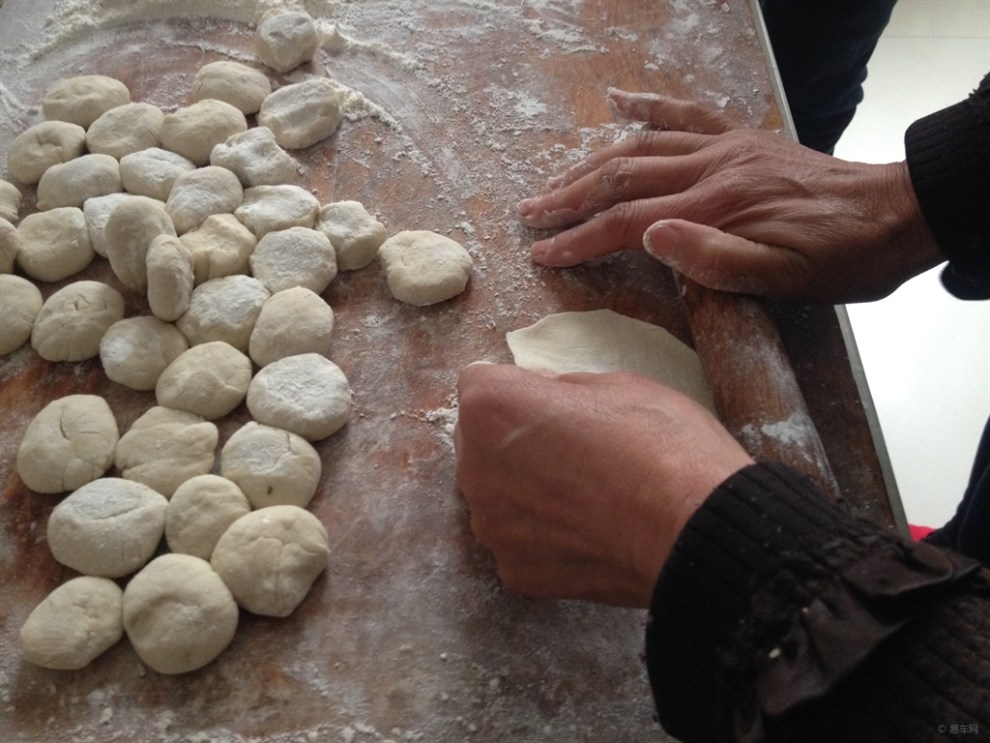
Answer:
(579, 484)
(742, 210)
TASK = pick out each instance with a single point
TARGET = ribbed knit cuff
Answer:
(770, 599)
(948, 156)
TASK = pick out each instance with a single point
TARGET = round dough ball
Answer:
(353, 232)
(306, 394)
(302, 114)
(202, 192)
(286, 39)
(200, 511)
(69, 443)
(241, 86)
(54, 245)
(256, 158)
(297, 256)
(129, 128)
(130, 229)
(178, 614)
(270, 208)
(108, 528)
(72, 321)
(170, 277)
(74, 624)
(210, 380)
(165, 447)
(423, 267)
(224, 309)
(272, 466)
(135, 351)
(293, 321)
(10, 201)
(152, 172)
(82, 100)
(98, 210)
(195, 130)
(71, 183)
(219, 247)
(270, 558)
(20, 303)
(9, 248)
(38, 148)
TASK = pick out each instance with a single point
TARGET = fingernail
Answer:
(539, 252)
(525, 207)
(661, 233)
(554, 183)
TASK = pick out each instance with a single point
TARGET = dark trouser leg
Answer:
(822, 47)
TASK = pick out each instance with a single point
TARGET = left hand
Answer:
(581, 483)
(736, 209)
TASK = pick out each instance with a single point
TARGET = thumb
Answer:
(719, 260)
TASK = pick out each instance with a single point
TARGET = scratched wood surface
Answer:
(407, 635)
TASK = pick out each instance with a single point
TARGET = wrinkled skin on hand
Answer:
(735, 209)
(580, 483)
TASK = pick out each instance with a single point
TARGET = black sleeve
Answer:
(948, 156)
(778, 617)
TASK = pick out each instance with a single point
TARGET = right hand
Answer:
(742, 210)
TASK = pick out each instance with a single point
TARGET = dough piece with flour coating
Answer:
(354, 233)
(219, 247)
(165, 447)
(291, 322)
(178, 614)
(9, 246)
(10, 201)
(54, 245)
(108, 528)
(71, 183)
(74, 624)
(170, 277)
(297, 256)
(241, 86)
(270, 558)
(302, 114)
(210, 380)
(83, 99)
(69, 443)
(72, 321)
(270, 208)
(306, 394)
(152, 172)
(135, 351)
(20, 303)
(43, 145)
(195, 130)
(200, 511)
(224, 309)
(129, 128)
(256, 158)
(130, 229)
(286, 39)
(272, 466)
(199, 193)
(604, 341)
(423, 267)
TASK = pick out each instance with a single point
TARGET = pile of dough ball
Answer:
(198, 213)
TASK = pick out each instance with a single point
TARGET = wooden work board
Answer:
(467, 107)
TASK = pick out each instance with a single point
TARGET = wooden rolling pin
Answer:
(755, 390)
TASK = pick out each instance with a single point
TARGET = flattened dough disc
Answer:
(605, 341)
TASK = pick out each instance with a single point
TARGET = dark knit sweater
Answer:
(779, 617)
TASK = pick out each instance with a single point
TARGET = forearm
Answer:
(948, 155)
(771, 613)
